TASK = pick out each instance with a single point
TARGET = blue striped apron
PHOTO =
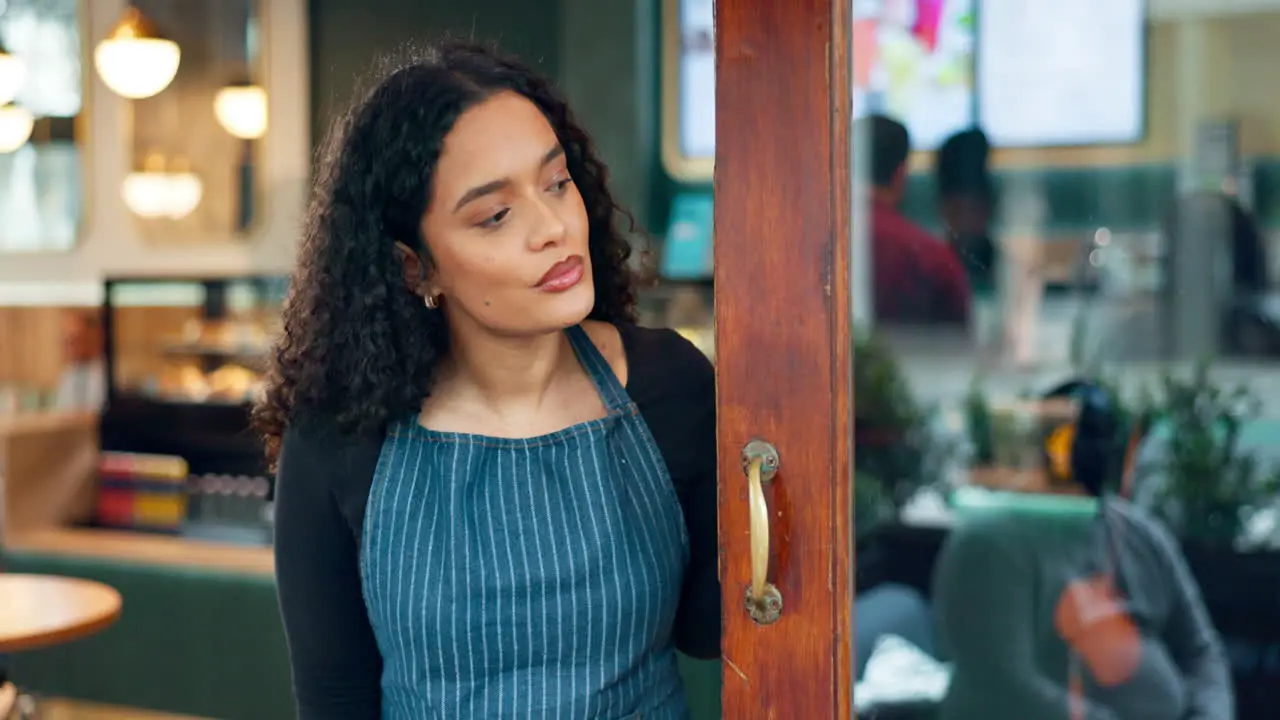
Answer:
(527, 578)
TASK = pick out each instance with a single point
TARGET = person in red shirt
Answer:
(918, 278)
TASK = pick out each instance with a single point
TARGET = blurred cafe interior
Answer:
(1043, 192)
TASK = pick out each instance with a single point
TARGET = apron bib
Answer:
(522, 578)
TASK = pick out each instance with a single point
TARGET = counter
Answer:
(144, 548)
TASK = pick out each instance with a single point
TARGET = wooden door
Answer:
(783, 348)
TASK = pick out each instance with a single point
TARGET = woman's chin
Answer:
(571, 307)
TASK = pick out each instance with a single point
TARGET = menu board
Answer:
(697, 79)
(1061, 73)
(913, 61)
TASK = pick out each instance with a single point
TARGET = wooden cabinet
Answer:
(48, 463)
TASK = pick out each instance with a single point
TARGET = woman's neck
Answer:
(504, 371)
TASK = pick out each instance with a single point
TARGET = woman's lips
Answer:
(563, 275)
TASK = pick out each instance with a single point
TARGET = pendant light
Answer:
(162, 189)
(241, 109)
(134, 60)
(16, 124)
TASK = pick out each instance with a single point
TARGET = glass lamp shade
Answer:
(153, 194)
(134, 61)
(15, 127)
(242, 110)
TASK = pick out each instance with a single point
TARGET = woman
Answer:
(495, 494)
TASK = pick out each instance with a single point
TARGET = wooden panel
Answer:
(31, 346)
(48, 470)
(782, 343)
(56, 709)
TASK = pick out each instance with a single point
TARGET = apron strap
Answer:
(611, 391)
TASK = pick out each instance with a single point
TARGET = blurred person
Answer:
(1248, 327)
(82, 386)
(496, 495)
(1053, 613)
(1250, 272)
(917, 278)
(967, 204)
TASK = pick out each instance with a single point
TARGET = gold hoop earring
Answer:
(431, 301)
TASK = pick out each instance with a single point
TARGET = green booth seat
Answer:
(200, 642)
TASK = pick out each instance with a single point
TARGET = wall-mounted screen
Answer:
(913, 61)
(689, 89)
(1055, 73)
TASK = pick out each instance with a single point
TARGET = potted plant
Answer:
(1209, 487)
(896, 451)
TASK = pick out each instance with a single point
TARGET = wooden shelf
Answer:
(56, 709)
(145, 548)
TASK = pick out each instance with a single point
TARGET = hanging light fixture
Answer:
(134, 60)
(154, 192)
(16, 124)
(241, 109)
(13, 72)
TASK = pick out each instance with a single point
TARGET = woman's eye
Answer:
(495, 219)
(559, 185)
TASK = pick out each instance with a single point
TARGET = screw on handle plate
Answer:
(764, 451)
(767, 608)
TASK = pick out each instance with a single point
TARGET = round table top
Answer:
(41, 610)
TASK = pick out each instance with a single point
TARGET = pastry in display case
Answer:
(196, 341)
(184, 361)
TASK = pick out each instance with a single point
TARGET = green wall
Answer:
(347, 37)
(601, 53)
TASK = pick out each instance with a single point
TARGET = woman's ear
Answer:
(416, 271)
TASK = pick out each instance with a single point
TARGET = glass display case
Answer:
(184, 360)
(194, 341)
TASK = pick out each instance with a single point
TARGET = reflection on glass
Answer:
(41, 182)
(41, 198)
(205, 130)
(1068, 374)
(46, 35)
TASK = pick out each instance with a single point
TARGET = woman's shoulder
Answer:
(320, 447)
(321, 463)
(324, 435)
(663, 358)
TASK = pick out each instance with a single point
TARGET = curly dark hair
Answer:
(358, 346)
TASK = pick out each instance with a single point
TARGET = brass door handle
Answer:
(760, 463)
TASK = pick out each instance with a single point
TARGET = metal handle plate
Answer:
(760, 463)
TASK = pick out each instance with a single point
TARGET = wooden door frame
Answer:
(783, 347)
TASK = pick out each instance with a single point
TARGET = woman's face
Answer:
(505, 225)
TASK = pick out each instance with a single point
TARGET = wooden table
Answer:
(41, 610)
